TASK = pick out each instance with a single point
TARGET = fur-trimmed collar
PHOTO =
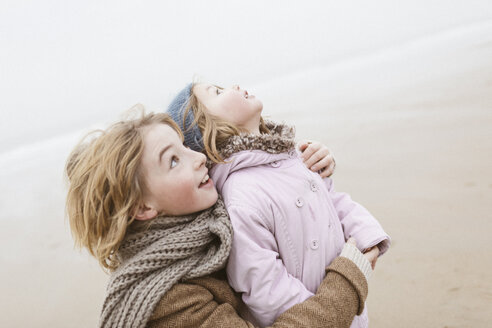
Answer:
(279, 140)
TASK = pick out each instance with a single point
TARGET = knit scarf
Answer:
(171, 249)
(279, 140)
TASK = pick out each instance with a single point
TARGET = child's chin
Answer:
(215, 197)
(211, 200)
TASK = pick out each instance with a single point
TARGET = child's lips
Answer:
(207, 184)
(206, 179)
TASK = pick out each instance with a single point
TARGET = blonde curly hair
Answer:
(105, 185)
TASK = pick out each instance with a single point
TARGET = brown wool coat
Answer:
(210, 302)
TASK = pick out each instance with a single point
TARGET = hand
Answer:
(317, 158)
(371, 255)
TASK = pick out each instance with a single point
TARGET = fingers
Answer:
(317, 158)
(328, 170)
(318, 155)
(314, 154)
(373, 263)
(303, 145)
(309, 149)
(323, 163)
(376, 258)
(372, 256)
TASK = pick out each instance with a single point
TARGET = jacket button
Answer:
(299, 202)
(314, 187)
(275, 164)
(314, 244)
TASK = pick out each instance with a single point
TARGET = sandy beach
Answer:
(410, 125)
(418, 154)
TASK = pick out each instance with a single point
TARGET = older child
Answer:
(289, 223)
(142, 203)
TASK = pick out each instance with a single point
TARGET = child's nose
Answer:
(200, 160)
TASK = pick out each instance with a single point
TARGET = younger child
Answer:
(289, 223)
(142, 203)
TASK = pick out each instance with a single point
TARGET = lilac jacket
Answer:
(289, 224)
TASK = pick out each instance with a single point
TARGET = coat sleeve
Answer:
(195, 306)
(255, 269)
(357, 222)
(339, 298)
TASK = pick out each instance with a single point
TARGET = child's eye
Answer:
(218, 91)
(174, 161)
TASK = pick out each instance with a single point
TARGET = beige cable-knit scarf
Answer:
(153, 260)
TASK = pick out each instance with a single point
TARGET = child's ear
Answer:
(145, 212)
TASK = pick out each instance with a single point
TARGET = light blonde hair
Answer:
(215, 131)
(106, 186)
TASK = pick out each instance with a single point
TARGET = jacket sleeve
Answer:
(195, 306)
(339, 298)
(256, 270)
(357, 222)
